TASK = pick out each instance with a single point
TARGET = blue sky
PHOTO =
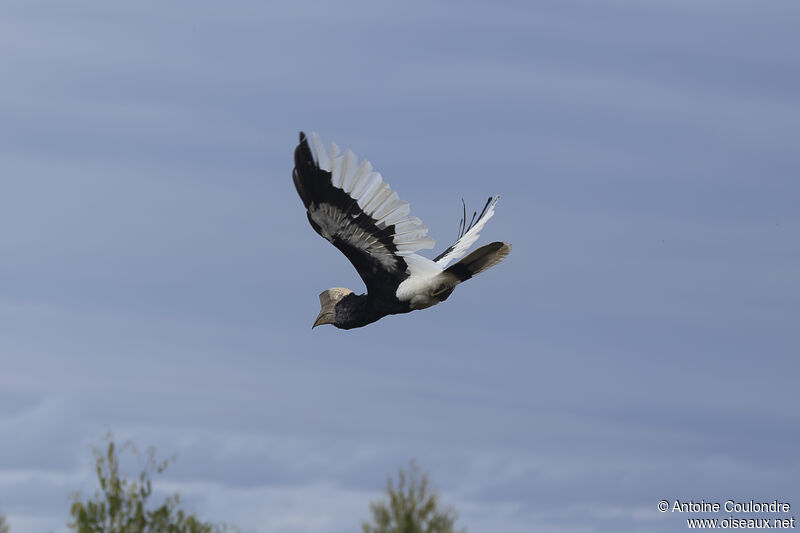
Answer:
(159, 276)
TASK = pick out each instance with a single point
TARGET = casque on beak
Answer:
(328, 300)
(324, 317)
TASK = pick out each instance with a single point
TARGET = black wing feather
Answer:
(381, 274)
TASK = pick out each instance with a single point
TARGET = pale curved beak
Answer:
(323, 318)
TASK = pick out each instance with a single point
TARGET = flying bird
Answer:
(350, 205)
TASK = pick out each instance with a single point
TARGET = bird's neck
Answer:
(356, 310)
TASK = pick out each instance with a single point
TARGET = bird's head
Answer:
(328, 300)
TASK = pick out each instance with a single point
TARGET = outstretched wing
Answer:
(349, 205)
(467, 233)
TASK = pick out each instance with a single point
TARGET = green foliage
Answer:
(121, 504)
(412, 507)
(3, 524)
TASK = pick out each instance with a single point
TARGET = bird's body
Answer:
(349, 205)
(357, 310)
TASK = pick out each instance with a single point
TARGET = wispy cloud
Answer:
(158, 275)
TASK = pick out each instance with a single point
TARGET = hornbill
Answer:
(351, 206)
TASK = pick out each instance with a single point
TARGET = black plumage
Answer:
(359, 214)
(315, 189)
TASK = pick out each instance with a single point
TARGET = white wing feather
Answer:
(377, 200)
(373, 196)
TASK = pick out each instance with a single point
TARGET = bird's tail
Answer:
(484, 257)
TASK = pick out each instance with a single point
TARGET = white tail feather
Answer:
(462, 245)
